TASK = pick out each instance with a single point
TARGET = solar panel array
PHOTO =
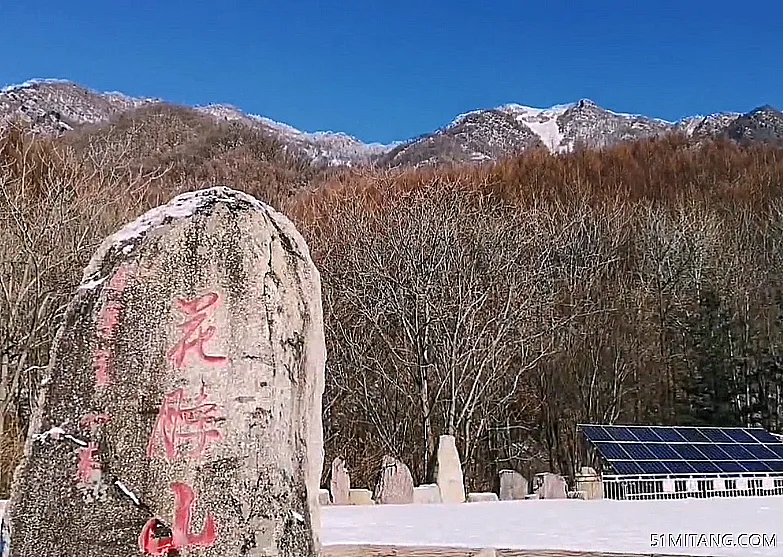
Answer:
(661, 450)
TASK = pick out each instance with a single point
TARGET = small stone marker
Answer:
(513, 485)
(181, 412)
(323, 497)
(448, 473)
(395, 486)
(360, 497)
(340, 484)
(552, 486)
(426, 494)
(482, 497)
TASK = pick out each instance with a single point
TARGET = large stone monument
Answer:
(448, 472)
(181, 411)
(395, 485)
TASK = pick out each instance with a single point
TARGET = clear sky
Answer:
(385, 71)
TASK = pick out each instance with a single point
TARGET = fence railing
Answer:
(699, 488)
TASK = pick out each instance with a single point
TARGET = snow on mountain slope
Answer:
(511, 128)
(712, 125)
(56, 105)
(542, 121)
(327, 148)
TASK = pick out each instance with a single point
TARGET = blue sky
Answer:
(386, 71)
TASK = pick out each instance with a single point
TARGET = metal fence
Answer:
(700, 487)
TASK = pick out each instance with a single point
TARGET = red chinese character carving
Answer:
(194, 336)
(120, 279)
(177, 421)
(87, 463)
(109, 318)
(94, 421)
(100, 363)
(181, 536)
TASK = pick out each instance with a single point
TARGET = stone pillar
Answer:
(340, 483)
(181, 410)
(448, 473)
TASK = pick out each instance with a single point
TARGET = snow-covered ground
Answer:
(605, 526)
(573, 525)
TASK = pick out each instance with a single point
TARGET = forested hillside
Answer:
(503, 302)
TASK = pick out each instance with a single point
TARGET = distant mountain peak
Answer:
(765, 108)
(586, 103)
(763, 124)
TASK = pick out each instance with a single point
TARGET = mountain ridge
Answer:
(57, 106)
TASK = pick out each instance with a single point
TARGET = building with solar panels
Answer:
(672, 462)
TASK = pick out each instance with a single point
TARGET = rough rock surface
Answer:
(340, 484)
(513, 485)
(182, 405)
(448, 473)
(395, 486)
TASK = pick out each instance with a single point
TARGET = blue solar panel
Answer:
(693, 435)
(626, 467)
(670, 435)
(654, 467)
(736, 452)
(705, 467)
(739, 436)
(755, 466)
(777, 449)
(638, 451)
(775, 465)
(713, 452)
(646, 434)
(664, 452)
(760, 452)
(729, 466)
(763, 436)
(622, 434)
(596, 433)
(612, 451)
(716, 435)
(689, 452)
(680, 467)
(659, 450)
